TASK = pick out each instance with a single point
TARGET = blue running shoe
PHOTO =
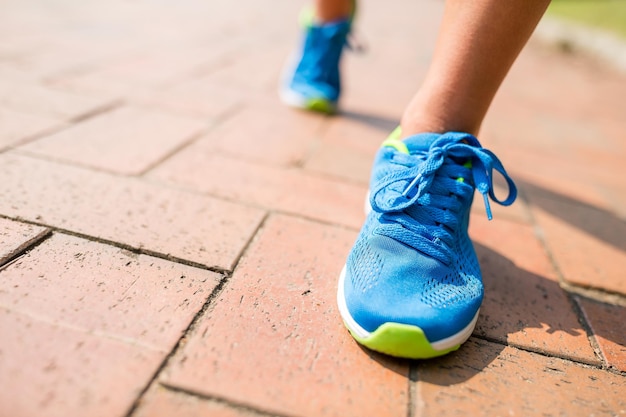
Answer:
(312, 81)
(412, 285)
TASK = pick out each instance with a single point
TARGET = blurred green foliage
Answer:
(609, 15)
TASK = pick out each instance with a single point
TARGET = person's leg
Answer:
(412, 286)
(332, 10)
(478, 42)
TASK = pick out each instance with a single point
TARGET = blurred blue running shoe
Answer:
(412, 285)
(312, 80)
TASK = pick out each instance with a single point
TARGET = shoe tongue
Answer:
(420, 142)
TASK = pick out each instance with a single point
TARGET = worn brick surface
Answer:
(524, 304)
(16, 237)
(156, 126)
(162, 402)
(587, 242)
(609, 329)
(486, 379)
(127, 140)
(196, 98)
(49, 102)
(276, 134)
(19, 127)
(50, 370)
(106, 290)
(131, 212)
(145, 68)
(354, 166)
(285, 189)
(553, 177)
(266, 58)
(288, 352)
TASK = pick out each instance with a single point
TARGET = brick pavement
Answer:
(171, 235)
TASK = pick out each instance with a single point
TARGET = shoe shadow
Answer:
(381, 123)
(599, 223)
(520, 308)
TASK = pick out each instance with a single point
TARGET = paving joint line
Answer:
(188, 190)
(25, 247)
(73, 164)
(206, 308)
(540, 236)
(601, 367)
(123, 246)
(63, 125)
(598, 295)
(247, 244)
(185, 144)
(181, 342)
(105, 108)
(60, 126)
(221, 400)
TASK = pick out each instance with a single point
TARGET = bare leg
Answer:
(331, 10)
(478, 42)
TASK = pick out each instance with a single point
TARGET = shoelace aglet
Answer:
(411, 186)
(487, 205)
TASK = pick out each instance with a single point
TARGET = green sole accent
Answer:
(401, 340)
(321, 105)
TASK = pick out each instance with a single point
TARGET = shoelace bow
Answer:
(425, 197)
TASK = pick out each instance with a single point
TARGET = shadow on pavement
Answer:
(384, 124)
(596, 222)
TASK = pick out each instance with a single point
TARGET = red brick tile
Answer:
(341, 162)
(584, 92)
(615, 193)
(12, 75)
(17, 127)
(16, 237)
(54, 57)
(106, 290)
(162, 66)
(271, 134)
(288, 190)
(45, 101)
(126, 140)
(56, 371)
(288, 351)
(161, 402)
(256, 70)
(144, 69)
(586, 242)
(196, 98)
(524, 304)
(485, 379)
(556, 179)
(196, 228)
(356, 132)
(608, 327)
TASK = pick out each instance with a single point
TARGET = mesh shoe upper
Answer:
(413, 262)
(316, 74)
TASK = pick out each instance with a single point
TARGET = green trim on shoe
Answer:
(401, 340)
(394, 141)
(321, 105)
